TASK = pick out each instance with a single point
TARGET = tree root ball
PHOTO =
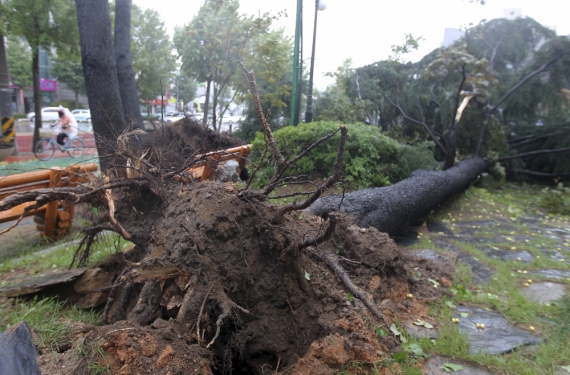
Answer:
(221, 282)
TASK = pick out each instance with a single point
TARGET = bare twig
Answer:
(531, 153)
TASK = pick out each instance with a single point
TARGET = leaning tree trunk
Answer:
(125, 74)
(393, 208)
(100, 73)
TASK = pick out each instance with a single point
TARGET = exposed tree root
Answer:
(362, 295)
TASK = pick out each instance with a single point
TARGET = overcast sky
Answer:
(364, 30)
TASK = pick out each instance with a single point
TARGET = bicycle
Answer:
(45, 148)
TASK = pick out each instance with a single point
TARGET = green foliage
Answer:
(43, 24)
(409, 45)
(19, 62)
(371, 159)
(210, 43)
(151, 53)
(335, 105)
(70, 73)
(270, 60)
(185, 88)
(556, 200)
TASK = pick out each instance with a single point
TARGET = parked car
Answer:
(172, 117)
(48, 114)
(81, 115)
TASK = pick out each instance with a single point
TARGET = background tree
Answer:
(20, 64)
(46, 24)
(100, 74)
(334, 104)
(270, 58)
(208, 43)
(70, 73)
(494, 69)
(125, 74)
(151, 53)
(184, 90)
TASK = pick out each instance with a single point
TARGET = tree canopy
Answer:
(502, 77)
(154, 63)
(209, 45)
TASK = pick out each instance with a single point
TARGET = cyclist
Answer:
(66, 126)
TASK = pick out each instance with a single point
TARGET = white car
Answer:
(81, 115)
(172, 117)
(48, 114)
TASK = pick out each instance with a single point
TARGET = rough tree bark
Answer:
(100, 71)
(125, 74)
(393, 208)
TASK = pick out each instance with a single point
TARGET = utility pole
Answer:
(294, 116)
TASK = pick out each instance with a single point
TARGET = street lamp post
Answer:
(319, 5)
(294, 117)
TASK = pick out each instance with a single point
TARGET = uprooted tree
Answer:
(232, 283)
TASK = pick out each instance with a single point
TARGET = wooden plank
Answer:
(23, 178)
(63, 223)
(15, 212)
(39, 220)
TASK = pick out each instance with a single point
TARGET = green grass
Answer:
(7, 169)
(63, 255)
(48, 318)
(507, 205)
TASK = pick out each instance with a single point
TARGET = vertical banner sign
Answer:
(8, 129)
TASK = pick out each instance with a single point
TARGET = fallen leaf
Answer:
(450, 304)
(464, 315)
(451, 367)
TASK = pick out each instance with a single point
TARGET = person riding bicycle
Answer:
(66, 126)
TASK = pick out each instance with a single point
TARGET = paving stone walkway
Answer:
(500, 241)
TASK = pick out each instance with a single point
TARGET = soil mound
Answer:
(234, 293)
(187, 136)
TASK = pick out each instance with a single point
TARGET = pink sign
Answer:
(48, 85)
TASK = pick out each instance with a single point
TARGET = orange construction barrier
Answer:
(53, 219)
(206, 164)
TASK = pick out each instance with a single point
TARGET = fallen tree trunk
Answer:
(392, 209)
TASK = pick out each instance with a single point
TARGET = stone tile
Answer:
(448, 260)
(553, 274)
(480, 273)
(434, 367)
(511, 255)
(497, 337)
(544, 292)
(444, 245)
(438, 227)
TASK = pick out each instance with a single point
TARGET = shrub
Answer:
(371, 158)
(556, 200)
